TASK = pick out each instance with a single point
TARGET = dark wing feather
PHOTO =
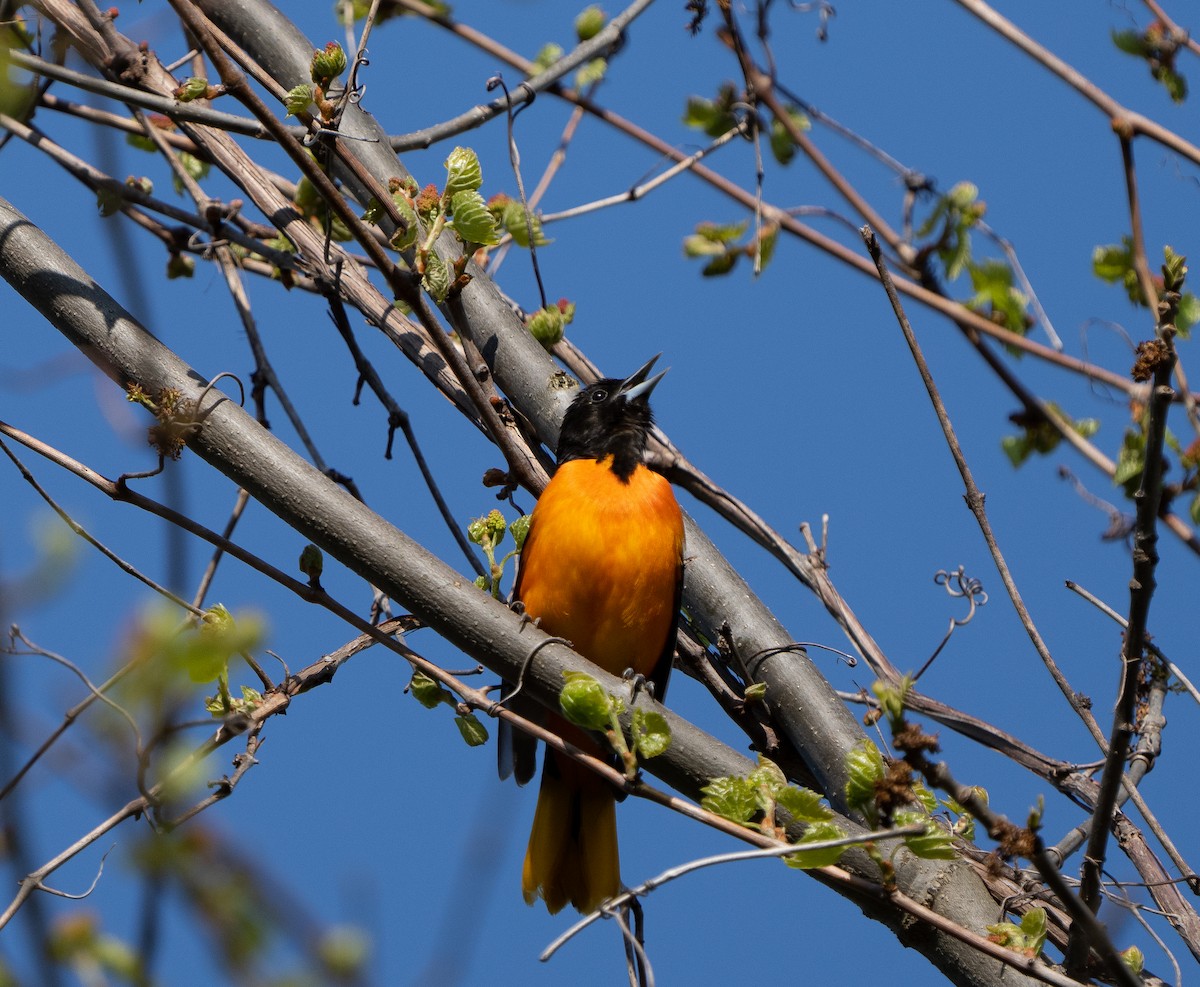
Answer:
(516, 751)
(662, 667)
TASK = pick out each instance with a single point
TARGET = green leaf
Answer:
(864, 769)
(1173, 82)
(1026, 938)
(298, 99)
(818, 833)
(584, 701)
(546, 325)
(344, 952)
(1131, 461)
(714, 118)
(963, 196)
(1174, 269)
(519, 529)
(472, 220)
(312, 562)
(768, 774)
(591, 73)
(1033, 926)
(720, 265)
(782, 145)
(1112, 262)
(756, 692)
(250, 700)
(193, 88)
(731, 798)
(927, 799)
(518, 224)
(1133, 958)
(1187, 315)
(327, 64)
(1132, 43)
(436, 279)
(892, 698)
(406, 237)
(205, 652)
(701, 246)
(589, 22)
(463, 173)
(803, 805)
(108, 202)
(196, 168)
(1016, 447)
(472, 730)
(995, 294)
(727, 233)
(766, 245)
(428, 692)
(141, 142)
(651, 734)
(180, 266)
(1194, 509)
(549, 54)
(934, 844)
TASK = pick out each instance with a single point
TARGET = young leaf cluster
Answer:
(584, 702)
(589, 22)
(430, 694)
(1113, 263)
(488, 532)
(1038, 434)
(947, 233)
(1026, 938)
(765, 801)
(721, 247)
(1157, 46)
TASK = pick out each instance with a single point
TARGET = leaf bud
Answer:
(327, 64)
(584, 702)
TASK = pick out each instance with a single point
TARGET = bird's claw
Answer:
(637, 682)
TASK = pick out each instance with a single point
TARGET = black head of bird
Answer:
(611, 418)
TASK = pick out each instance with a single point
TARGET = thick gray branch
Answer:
(802, 702)
(236, 445)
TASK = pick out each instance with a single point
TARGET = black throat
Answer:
(602, 423)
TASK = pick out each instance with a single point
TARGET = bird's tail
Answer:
(572, 854)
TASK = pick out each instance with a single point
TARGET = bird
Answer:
(602, 567)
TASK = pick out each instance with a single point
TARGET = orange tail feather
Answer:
(572, 854)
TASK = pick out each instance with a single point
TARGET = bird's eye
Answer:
(598, 396)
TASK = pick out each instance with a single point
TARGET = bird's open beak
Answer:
(637, 386)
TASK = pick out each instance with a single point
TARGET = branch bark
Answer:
(447, 601)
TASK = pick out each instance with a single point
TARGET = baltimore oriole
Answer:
(602, 566)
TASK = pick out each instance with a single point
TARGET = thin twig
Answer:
(176, 110)
(607, 909)
(1113, 110)
(642, 189)
(1091, 932)
(82, 532)
(974, 496)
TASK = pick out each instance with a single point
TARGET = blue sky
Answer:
(795, 391)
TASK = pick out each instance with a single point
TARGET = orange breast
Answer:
(601, 563)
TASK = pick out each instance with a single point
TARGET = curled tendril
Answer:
(793, 646)
(355, 90)
(960, 586)
(516, 103)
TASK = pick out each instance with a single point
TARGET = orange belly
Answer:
(602, 561)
